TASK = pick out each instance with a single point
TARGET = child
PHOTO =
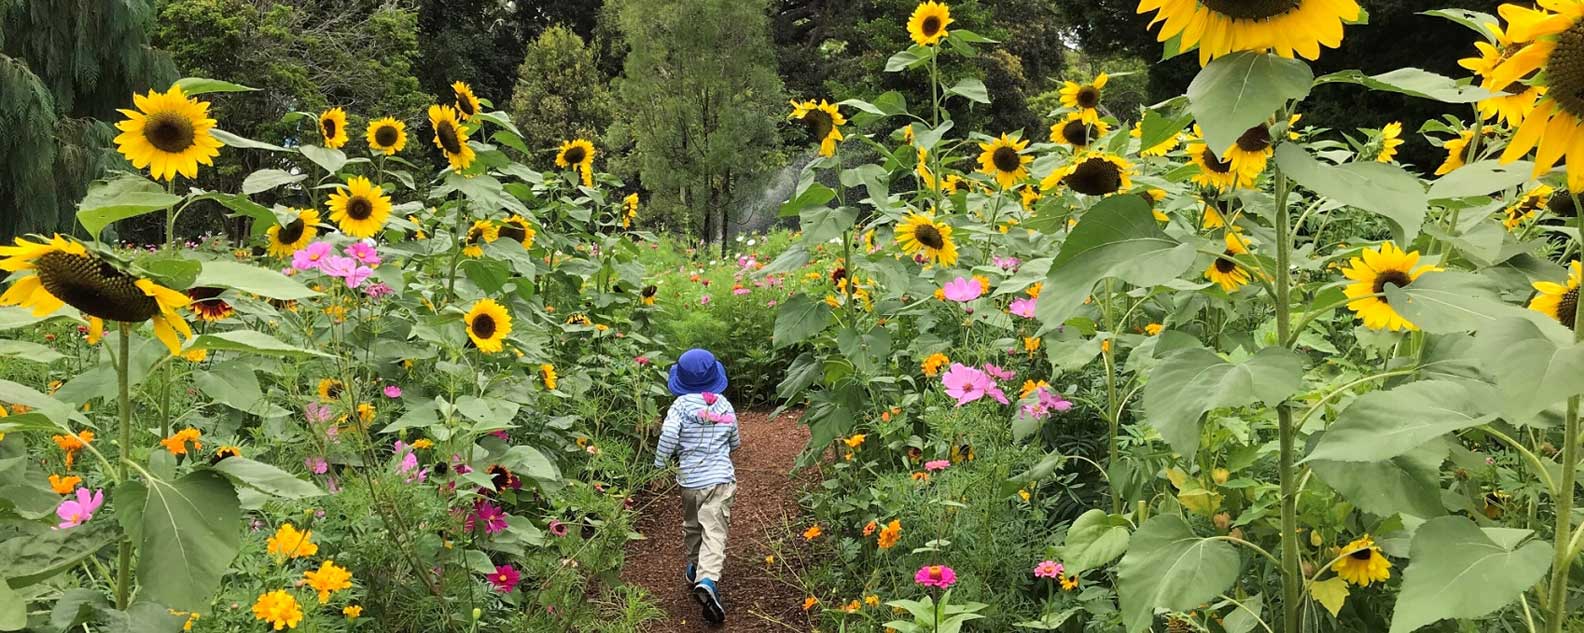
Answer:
(700, 430)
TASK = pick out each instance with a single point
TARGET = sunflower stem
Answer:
(1291, 574)
(124, 445)
(1561, 564)
(1113, 411)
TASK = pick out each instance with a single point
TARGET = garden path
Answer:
(763, 515)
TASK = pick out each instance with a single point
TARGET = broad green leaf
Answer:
(1451, 302)
(970, 88)
(267, 479)
(187, 531)
(1412, 82)
(1331, 593)
(1409, 483)
(124, 196)
(1384, 424)
(1242, 90)
(253, 279)
(1095, 538)
(74, 607)
(799, 318)
(232, 383)
(1156, 128)
(1244, 616)
(1376, 187)
(233, 140)
(528, 461)
(53, 409)
(793, 258)
(1167, 566)
(13, 317)
(1535, 364)
(262, 216)
(824, 223)
(13, 608)
(909, 58)
(250, 341)
(36, 557)
(799, 375)
(1190, 382)
(267, 179)
(809, 195)
(1481, 178)
(30, 352)
(1116, 238)
(332, 160)
(1459, 571)
(167, 268)
(1475, 20)
(198, 85)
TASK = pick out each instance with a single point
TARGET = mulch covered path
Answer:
(763, 513)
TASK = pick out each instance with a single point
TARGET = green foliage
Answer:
(560, 94)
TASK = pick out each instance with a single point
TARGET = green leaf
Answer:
(824, 223)
(267, 479)
(251, 341)
(1414, 83)
(970, 88)
(1376, 187)
(168, 268)
(231, 383)
(1409, 483)
(1116, 238)
(13, 608)
(1095, 538)
(1157, 128)
(51, 408)
(1167, 566)
(1459, 571)
(267, 179)
(1474, 20)
(239, 142)
(198, 85)
(1331, 593)
(1481, 178)
(262, 216)
(37, 557)
(30, 352)
(1244, 615)
(909, 58)
(1385, 424)
(252, 279)
(530, 462)
(1193, 381)
(187, 530)
(1533, 365)
(332, 160)
(799, 318)
(1242, 90)
(809, 194)
(122, 197)
(1451, 302)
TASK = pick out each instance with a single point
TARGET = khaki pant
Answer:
(706, 515)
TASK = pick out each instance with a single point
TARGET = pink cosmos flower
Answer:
(77, 511)
(493, 518)
(966, 384)
(704, 300)
(392, 391)
(1006, 263)
(317, 465)
(318, 413)
(962, 289)
(558, 528)
(740, 291)
(1023, 307)
(505, 578)
(1044, 402)
(642, 361)
(310, 256)
(1048, 569)
(378, 290)
(936, 576)
(364, 253)
(998, 373)
(939, 464)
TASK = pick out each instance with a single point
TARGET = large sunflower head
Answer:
(1003, 158)
(1362, 563)
(451, 137)
(332, 127)
(1094, 174)
(482, 232)
(168, 133)
(207, 304)
(1214, 171)
(387, 136)
(294, 235)
(1456, 150)
(1077, 132)
(1556, 300)
(1370, 274)
(360, 208)
(1084, 98)
(1552, 54)
(66, 273)
(577, 155)
(922, 237)
(467, 105)
(823, 121)
(1249, 153)
(1225, 271)
(517, 228)
(1222, 27)
(927, 25)
(487, 323)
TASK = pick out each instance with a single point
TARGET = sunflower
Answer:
(1250, 152)
(578, 155)
(1526, 208)
(1003, 158)
(1362, 563)
(1085, 98)
(927, 25)
(65, 273)
(1370, 275)
(1390, 138)
(332, 127)
(488, 323)
(647, 295)
(1096, 174)
(1222, 27)
(629, 210)
(1457, 150)
(207, 304)
(225, 452)
(330, 389)
(1509, 109)
(517, 228)
(1561, 204)
(1553, 46)
(169, 133)
(921, 236)
(1225, 270)
(1077, 132)
(548, 372)
(467, 104)
(387, 136)
(1152, 197)
(294, 235)
(1556, 300)
(1215, 216)
(1213, 170)
(1159, 149)
(451, 137)
(823, 121)
(360, 208)
(482, 232)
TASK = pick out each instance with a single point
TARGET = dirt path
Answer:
(766, 503)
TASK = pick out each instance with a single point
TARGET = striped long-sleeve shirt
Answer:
(701, 436)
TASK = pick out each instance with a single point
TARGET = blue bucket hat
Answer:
(697, 371)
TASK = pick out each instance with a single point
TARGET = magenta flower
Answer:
(962, 289)
(1023, 307)
(740, 291)
(378, 290)
(392, 391)
(558, 528)
(310, 257)
(77, 511)
(998, 373)
(317, 465)
(966, 384)
(709, 398)
(505, 578)
(704, 300)
(1006, 263)
(642, 361)
(1048, 569)
(318, 413)
(337, 266)
(501, 433)
(939, 464)
(936, 576)
(364, 253)
(493, 518)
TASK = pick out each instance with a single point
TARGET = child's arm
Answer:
(670, 439)
(736, 428)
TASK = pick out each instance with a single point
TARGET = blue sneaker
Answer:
(708, 597)
(691, 574)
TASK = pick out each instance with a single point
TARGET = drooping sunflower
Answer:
(1225, 271)
(467, 104)
(647, 295)
(207, 304)
(332, 128)
(1003, 158)
(823, 121)
(578, 155)
(1556, 300)
(1553, 47)
(451, 137)
(1370, 274)
(1214, 171)
(65, 273)
(629, 210)
(1094, 174)
(1362, 563)
(927, 25)
(1525, 208)
(1222, 27)
(482, 232)
(1390, 138)
(517, 228)
(920, 235)
(168, 133)
(360, 208)
(293, 236)
(387, 136)
(330, 389)
(488, 323)
(1250, 152)
(1077, 132)
(1084, 98)
(1159, 149)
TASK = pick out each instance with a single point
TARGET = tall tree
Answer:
(700, 97)
(560, 93)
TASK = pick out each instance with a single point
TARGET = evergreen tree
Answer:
(560, 94)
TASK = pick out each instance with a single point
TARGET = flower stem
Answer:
(1562, 563)
(123, 588)
(1291, 575)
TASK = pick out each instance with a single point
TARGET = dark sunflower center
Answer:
(819, 124)
(1095, 177)
(385, 135)
(329, 127)
(1567, 308)
(1565, 70)
(1395, 277)
(334, 390)
(447, 133)
(474, 235)
(1006, 159)
(483, 326)
(649, 291)
(95, 287)
(1251, 9)
(202, 293)
(1148, 199)
(169, 132)
(1255, 139)
(513, 231)
(1224, 264)
(931, 25)
(1363, 554)
(292, 232)
(464, 104)
(1077, 133)
(360, 208)
(1088, 97)
(1561, 203)
(1214, 163)
(574, 155)
(930, 236)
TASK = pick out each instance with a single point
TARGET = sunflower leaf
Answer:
(1408, 483)
(1193, 381)
(240, 142)
(250, 341)
(119, 198)
(972, 89)
(200, 85)
(1460, 571)
(1331, 593)
(1384, 424)
(1157, 128)
(1095, 538)
(1451, 302)
(267, 179)
(332, 160)
(1414, 83)
(1377, 187)
(1116, 238)
(188, 530)
(253, 279)
(266, 478)
(1167, 566)
(1242, 90)
(1481, 178)
(799, 318)
(1535, 364)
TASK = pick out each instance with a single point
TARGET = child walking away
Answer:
(700, 430)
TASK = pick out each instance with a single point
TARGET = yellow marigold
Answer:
(813, 532)
(890, 534)
(855, 441)
(352, 611)
(279, 609)
(809, 602)
(287, 542)
(365, 412)
(177, 443)
(1153, 329)
(64, 485)
(423, 443)
(933, 363)
(872, 600)
(328, 579)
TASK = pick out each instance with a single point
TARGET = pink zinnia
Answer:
(1048, 569)
(77, 511)
(939, 464)
(392, 391)
(962, 289)
(740, 291)
(505, 578)
(642, 360)
(936, 576)
(558, 528)
(309, 257)
(318, 413)
(493, 518)
(364, 253)
(1023, 307)
(317, 465)
(965, 383)
(378, 290)
(704, 300)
